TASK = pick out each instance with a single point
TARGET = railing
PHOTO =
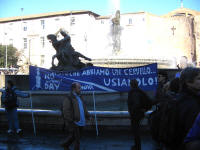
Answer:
(114, 114)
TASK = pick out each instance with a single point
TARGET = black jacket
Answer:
(138, 102)
(188, 109)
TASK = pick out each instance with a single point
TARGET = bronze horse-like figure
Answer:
(65, 53)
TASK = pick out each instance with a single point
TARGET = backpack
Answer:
(163, 123)
(10, 99)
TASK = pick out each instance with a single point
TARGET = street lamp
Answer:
(85, 39)
(22, 9)
(6, 51)
(29, 52)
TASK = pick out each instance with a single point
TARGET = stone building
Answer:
(142, 38)
(189, 21)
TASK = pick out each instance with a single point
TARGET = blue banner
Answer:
(94, 78)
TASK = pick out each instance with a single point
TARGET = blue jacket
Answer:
(194, 132)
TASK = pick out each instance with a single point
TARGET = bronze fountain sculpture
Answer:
(68, 58)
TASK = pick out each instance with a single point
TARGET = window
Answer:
(42, 39)
(102, 21)
(180, 14)
(42, 59)
(25, 43)
(72, 21)
(130, 21)
(25, 26)
(11, 42)
(42, 24)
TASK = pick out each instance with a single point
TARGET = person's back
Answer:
(163, 119)
(10, 100)
(138, 103)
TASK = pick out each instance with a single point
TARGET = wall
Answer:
(197, 35)
(2, 81)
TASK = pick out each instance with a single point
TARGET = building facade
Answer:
(141, 37)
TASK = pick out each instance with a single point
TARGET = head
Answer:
(134, 83)
(190, 79)
(76, 87)
(51, 37)
(162, 76)
(183, 62)
(9, 84)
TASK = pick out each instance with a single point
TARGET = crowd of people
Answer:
(174, 123)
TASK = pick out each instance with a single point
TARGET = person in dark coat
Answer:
(138, 103)
(173, 91)
(162, 80)
(9, 100)
(189, 102)
(75, 114)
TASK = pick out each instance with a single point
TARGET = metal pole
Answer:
(181, 3)
(34, 129)
(6, 65)
(22, 9)
(85, 38)
(95, 116)
(70, 31)
(6, 56)
(29, 58)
